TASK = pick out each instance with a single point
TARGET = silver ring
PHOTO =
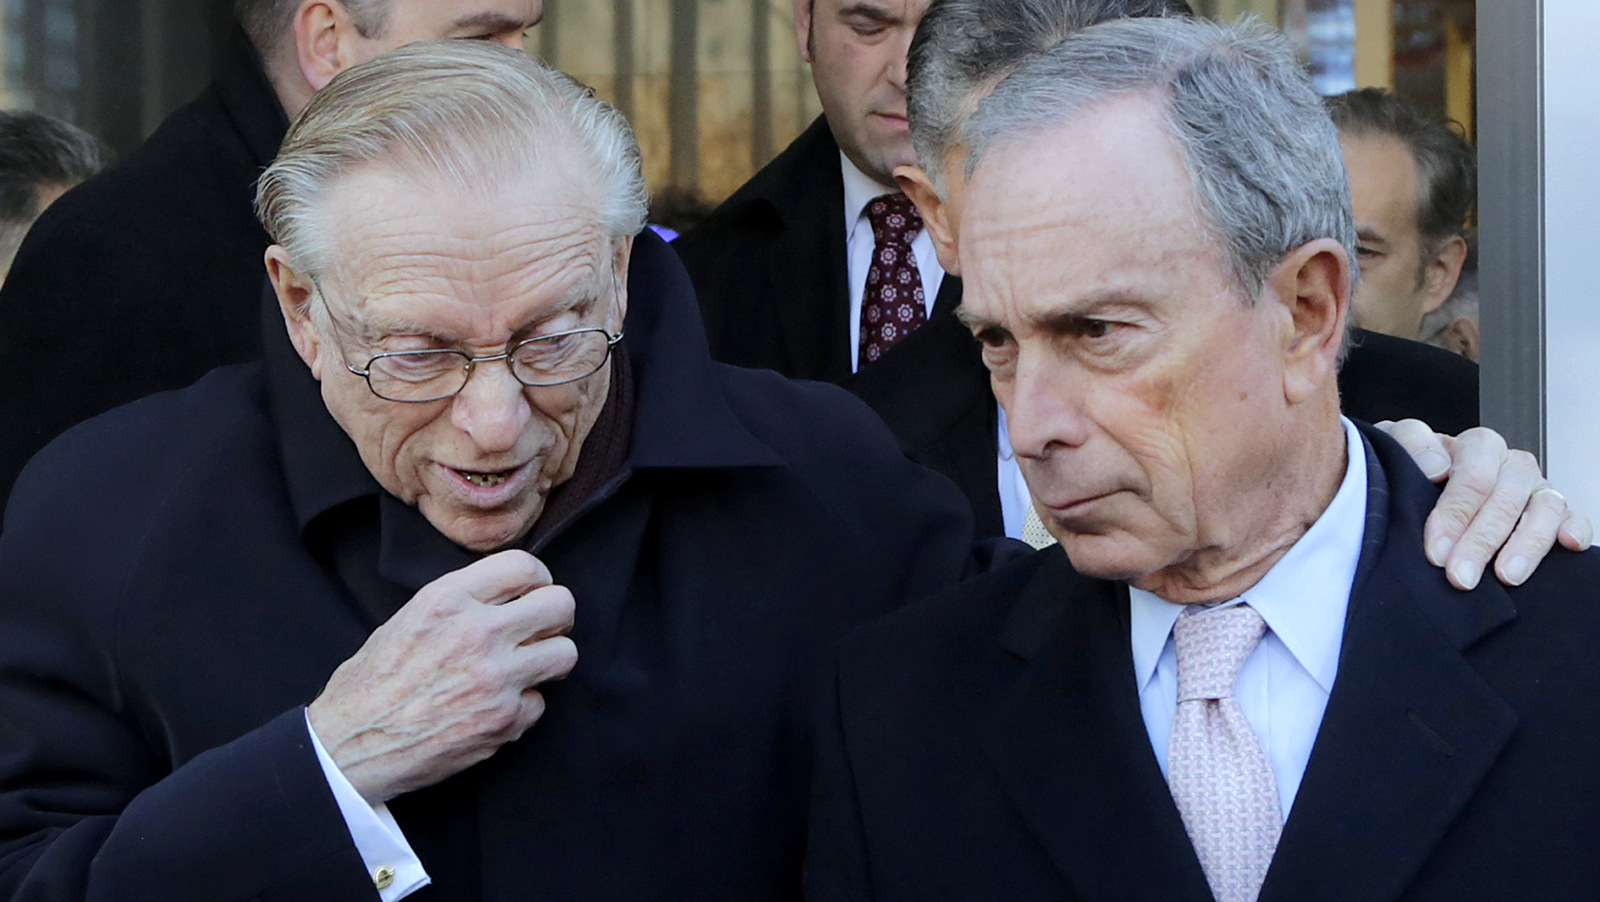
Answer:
(1544, 489)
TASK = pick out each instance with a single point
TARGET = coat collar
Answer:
(682, 419)
(248, 98)
(1409, 723)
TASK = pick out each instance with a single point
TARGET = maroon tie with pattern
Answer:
(894, 303)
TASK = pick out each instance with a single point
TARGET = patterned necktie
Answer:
(894, 303)
(1034, 532)
(1217, 768)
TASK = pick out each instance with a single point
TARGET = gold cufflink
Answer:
(383, 877)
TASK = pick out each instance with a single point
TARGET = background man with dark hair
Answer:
(1413, 181)
(40, 158)
(151, 274)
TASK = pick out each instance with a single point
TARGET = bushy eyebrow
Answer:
(492, 23)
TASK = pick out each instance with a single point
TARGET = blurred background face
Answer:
(503, 21)
(1400, 278)
(857, 50)
(420, 269)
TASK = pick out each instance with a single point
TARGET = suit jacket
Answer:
(769, 266)
(147, 276)
(989, 744)
(182, 575)
(934, 394)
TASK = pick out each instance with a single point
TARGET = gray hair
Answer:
(38, 151)
(963, 47)
(477, 115)
(1262, 154)
(267, 21)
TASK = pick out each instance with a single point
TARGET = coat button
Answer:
(383, 877)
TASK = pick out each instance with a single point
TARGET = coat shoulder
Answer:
(1388, 378)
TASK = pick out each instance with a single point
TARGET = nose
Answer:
(1044, 408)
(897, 65)
(492, 408)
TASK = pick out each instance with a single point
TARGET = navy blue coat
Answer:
(989, 745)
(170, 607)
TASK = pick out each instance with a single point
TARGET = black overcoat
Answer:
(989, 744)
(147, 276)
(173, 597)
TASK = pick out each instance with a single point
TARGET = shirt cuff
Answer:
(395, 870)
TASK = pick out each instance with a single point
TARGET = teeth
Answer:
(486, 480)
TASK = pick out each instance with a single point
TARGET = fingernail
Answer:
(1433, 464)
(1517, 570)
(1439, 550)
(1466, 574)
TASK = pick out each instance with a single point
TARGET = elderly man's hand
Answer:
(449, 679)
(1495, 500)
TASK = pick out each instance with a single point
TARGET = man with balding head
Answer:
(1236, 677)
(299, 631)
(151, 274)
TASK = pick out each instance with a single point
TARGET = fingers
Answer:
(1492, 524)
(546, 660)
(1430, 450)
(541, 614)
(1475, 475)
(1576, 533)
(1535, 535)
(498, 578)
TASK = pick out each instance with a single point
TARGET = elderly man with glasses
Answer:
(300, 631)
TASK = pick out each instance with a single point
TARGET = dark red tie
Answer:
(894, 303)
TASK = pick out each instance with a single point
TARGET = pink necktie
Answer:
(894, 303)
(1217, 768)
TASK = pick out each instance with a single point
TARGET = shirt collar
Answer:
(860, 189)
(1305, 595)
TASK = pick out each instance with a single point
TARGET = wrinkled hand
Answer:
(449, 679)
(1495, 500)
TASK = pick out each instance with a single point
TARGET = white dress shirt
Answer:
(377, 836)
(1284, 684)
(860, 190)
(1014, 496)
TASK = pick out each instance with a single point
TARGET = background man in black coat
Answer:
(248, 623)
(147, 277)
(1248, 682)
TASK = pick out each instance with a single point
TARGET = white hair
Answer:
(476, 115)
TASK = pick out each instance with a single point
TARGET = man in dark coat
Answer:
(1237, 677)
(146, 277)
(248, 623)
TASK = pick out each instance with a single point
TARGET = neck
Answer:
(1290, 496)
(289, 85)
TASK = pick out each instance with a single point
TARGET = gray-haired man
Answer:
(283, 636)
(934, 392)
(1237, 678)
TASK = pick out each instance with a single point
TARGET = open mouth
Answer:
(488, 480)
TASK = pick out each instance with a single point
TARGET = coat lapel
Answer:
(1410, 729)
(1070, 747)
(808, 266)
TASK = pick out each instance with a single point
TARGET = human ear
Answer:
(295, 296)
(624, 253)
(802, 27)
(322, 31)
(935, 214)
(1442, 272)
(1313, 284)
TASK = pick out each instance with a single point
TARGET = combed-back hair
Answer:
(963, 47)
(1262, 154)
(478, 116)
(267, 21)
(38, 151)
(1447, 166)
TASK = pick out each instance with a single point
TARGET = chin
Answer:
(1107, 557)
(483, 533)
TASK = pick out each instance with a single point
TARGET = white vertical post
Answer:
(1572, 230)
